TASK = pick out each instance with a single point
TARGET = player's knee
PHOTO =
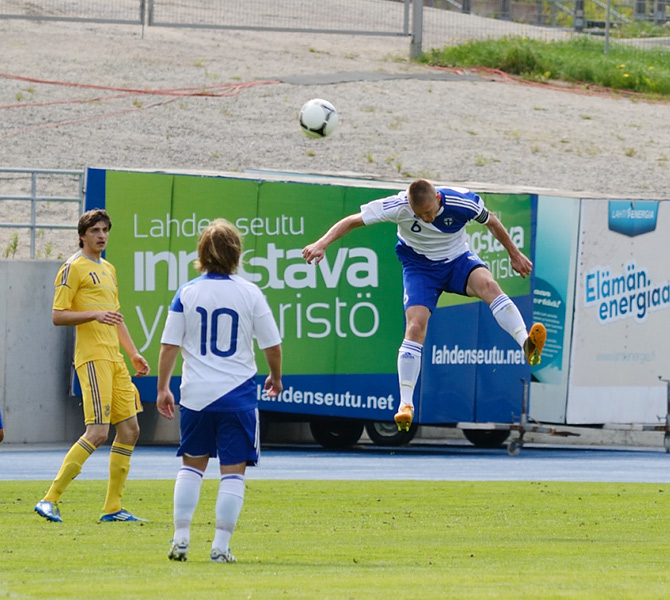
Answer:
(489, 290)
(134, 436)
(416, 330)
(129, 432)
(97, 434)
(96, 439)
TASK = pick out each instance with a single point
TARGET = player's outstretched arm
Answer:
(317, 250)
(520, 262)
(166, 362)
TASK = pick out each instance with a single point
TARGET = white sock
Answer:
(228, 507)
(186, 495)
(409, 367)
(509, 318)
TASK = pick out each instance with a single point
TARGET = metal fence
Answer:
(36, 205)
(573, 14)
(371, 17)
(130, 12)
(431, 23)
(637, 23)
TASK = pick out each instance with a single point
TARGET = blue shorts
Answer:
(232, 436)
(1, 427)
(424, 281)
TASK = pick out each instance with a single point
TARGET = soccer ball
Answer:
(318, 118)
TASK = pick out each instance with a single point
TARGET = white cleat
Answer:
(222, 556)
(178, 550)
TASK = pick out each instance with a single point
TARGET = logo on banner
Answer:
(622, 295)
(631, 217)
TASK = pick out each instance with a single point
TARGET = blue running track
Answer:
(417, 462)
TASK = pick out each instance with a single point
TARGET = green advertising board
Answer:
(341, 321)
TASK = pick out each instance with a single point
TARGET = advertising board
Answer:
(341, 321)
(553, 303)
(619, 346)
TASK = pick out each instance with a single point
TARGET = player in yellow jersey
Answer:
(86, 297)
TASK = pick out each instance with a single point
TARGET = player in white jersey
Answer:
(214, 320)
(433, 249)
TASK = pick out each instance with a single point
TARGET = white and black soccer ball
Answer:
(318, 118)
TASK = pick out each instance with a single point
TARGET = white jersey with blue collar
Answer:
(214, 318)
(442, 240)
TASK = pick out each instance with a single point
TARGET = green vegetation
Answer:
(12, 246)
(579, 60)
(349, 540)
(640, 29)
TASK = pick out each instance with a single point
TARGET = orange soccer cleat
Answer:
(534, 343)
(403, 418)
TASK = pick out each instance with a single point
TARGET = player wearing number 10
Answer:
(214, 319)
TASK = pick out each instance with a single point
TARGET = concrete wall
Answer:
(35, 364)
(35, 357)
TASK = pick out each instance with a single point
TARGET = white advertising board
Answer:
(621, 330)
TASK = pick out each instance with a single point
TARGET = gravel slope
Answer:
(479, 130)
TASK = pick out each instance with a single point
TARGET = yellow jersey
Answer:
(83, 284)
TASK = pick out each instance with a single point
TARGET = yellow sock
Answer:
(119, 463)
(70, 468)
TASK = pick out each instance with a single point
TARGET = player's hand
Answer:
(522, 265)
(165, 403)
(109, 317)
(273, 387)
(141, 365)
(313, 252)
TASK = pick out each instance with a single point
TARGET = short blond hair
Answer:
(421, 192)
(219, 248)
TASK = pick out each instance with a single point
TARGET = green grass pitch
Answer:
(348, 540)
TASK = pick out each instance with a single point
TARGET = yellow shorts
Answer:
(108, 393)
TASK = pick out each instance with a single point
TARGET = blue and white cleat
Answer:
(222, 556)
(48, 510)
(120, 515)
(178, 550)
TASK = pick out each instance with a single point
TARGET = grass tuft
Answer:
(579, 60)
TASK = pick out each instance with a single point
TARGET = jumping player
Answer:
(433, 249)
(214, 319)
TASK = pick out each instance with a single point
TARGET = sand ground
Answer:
(75, 95)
